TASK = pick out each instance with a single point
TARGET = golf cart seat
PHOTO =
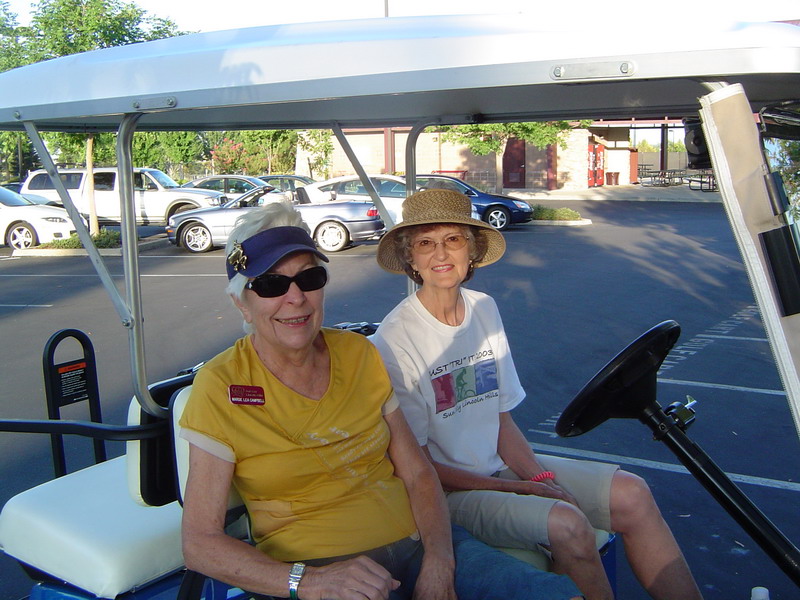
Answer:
(105, 530)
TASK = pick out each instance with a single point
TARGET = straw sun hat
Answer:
(430, 207)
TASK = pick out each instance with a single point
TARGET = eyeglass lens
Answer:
(455, 241)
(272, 285)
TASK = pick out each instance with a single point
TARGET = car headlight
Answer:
(522, 205)
(55, 219)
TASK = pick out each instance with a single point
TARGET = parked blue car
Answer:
(497, 211)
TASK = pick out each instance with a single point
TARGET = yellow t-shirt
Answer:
(314, 475)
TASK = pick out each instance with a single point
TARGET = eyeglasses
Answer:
(272, 285)
(455, 241)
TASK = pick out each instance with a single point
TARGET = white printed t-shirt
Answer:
(452, 382)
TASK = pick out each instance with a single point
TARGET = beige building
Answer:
(586, 160)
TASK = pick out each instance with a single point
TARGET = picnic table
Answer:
(705, 181)
(662, 177)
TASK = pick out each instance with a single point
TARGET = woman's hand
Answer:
(353, 579)
(546, 489)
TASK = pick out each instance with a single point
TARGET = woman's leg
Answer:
(652, 551)
(509, 520)
(574, 552)
(485, 573)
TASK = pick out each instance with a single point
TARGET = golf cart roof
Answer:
(402, 71)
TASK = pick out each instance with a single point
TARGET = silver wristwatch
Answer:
(295, 575)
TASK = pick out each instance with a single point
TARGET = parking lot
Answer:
(571, 298)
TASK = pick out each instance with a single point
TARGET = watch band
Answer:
(295, 575)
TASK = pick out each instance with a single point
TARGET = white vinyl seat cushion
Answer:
(85, 529)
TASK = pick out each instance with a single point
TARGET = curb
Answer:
(143, 245)
(575, 223)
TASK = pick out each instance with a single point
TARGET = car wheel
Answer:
(21, 236)
(196, 238)
(332, 236)
(498, 217)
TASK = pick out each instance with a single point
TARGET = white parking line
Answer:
(119, 276)
(660, 466)
(26, 306)
(722, 386)
(732, 337)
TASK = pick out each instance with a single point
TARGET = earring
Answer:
(415, 274)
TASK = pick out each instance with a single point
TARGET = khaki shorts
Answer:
(512, 520)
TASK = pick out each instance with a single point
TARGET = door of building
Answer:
(596, 160)
(514, 164)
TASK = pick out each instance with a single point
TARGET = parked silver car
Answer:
(333, 225)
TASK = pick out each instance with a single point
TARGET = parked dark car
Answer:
(498, 211)
(233, 186)
(333, 225)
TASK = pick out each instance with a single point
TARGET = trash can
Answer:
(612, 178)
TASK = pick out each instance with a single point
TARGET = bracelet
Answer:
(542, 476)
(295, 575)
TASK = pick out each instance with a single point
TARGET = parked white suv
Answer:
(156, 196)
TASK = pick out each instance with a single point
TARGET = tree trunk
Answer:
(498, 168)
(94, 225)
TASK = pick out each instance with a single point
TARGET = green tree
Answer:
(645, 146)
(228, 156)
(785, 159)
(63, 27)
(165, 149)
(15, 149)
(482, 139)
(677, 146)
(12, 52)
(318, 143)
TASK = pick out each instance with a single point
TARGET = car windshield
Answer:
(162, 178)
(9, 198)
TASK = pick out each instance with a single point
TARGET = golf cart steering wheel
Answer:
(624, 387)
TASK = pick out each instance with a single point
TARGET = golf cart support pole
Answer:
(86, 239)
(130, 259)
(719, 485)
(362, 175)
(411, 174)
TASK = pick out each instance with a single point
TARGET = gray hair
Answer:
(275, 214)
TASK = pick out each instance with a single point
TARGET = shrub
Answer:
(543, 213)
(107, 238)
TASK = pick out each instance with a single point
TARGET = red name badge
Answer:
(246, 394)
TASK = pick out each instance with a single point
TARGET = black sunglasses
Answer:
(272, 285)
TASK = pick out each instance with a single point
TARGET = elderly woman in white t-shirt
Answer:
(450, 364)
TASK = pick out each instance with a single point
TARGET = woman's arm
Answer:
(436, 579)
(209, 550)
(514, 449)
(517, 455)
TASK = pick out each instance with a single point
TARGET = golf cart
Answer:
(113, 529)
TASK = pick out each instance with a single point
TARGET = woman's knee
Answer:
(631, 499)
(566, 524)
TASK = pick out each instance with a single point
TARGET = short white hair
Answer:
(275, 214)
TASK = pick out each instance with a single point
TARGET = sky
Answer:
(204, 15)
